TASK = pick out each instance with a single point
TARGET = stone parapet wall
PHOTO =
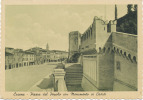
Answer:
(125, 70)
(116, 56)
(118, 86)
(87, 85)
(105, 72)
(125, 41)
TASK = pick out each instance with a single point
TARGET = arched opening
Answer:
(17, 65)
(117, 50)
(86, 35)
(91, 32)
(120, 51)
(129, 56)
(114, 48)
(99, 49)
(134, 59)
(9, 66)
(125, 54)
(104, 49)
(5, 66)
(108, 50)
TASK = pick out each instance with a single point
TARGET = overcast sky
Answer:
(33, 25)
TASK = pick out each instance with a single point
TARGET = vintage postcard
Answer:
(71, 49)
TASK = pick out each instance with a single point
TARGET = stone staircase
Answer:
(73, 77)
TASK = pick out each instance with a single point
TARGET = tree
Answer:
(74, 58)
(135, 7)
(115, 12)
(129, 6)
(128, 23)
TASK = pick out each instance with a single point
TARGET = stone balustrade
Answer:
(59, 82)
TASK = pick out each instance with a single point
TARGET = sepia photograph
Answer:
(71, 47)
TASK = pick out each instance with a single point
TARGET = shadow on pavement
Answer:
(47, 83)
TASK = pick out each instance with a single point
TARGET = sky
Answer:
(29, 26)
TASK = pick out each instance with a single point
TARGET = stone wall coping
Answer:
(125, 34)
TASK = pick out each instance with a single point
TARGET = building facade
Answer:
(15, 58)
(74, 42)
(109, 58)
(9, 60)
(28, 58)
(45, 55)
(38, 55)
(18, 58)
(58, 56)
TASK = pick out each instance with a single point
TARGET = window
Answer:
(91, 32)
(75, 40)
(118, 65)
(87, 47)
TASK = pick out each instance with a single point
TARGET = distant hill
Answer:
(128, 23)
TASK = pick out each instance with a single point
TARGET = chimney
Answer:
(112, 26)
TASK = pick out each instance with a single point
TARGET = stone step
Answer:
(80, 76)
(79, 81)
(74, 71)
(74, 68)
(73, 80)
(73, 83)
(73, 74)
(69, 77)
(72, 77)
